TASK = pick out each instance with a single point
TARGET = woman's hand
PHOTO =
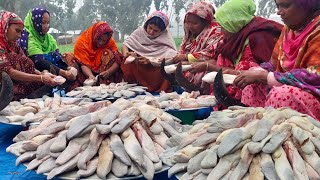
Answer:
(179, 58)
(250, 77)
(105, 74)
(198, 67)
(69, 75)
(130, 53)
(48, 80)
(231, 71)
(91, 77)
(142, 60)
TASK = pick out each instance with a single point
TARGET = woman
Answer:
(202, 34)
(26, 79)
(97, 53)
(292, 78)
(40, 46)
(152, 40)
(248, 40)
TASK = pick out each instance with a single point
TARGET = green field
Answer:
(69, 47)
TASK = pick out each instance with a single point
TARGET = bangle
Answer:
(41, 78)
(207, 67)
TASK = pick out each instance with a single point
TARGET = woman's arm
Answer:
(87, 71)
(125, 50)
(26, 77)
(22, 76)
(110, 71)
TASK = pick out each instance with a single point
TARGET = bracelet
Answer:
(207, 67)
(41, 78)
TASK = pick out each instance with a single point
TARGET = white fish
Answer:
(209, 78)
(59, 80)
(172, 68)
(129, 59)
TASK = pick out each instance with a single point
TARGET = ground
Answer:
(69, 47)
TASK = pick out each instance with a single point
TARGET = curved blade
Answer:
(221, 93)
(163, 73)
(6, 93)
(183, 82)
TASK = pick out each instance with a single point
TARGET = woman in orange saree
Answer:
(97, 53)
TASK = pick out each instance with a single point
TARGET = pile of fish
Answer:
(28, 111)
(122, 139)
(174, 101)
(247, 143)
(111, 91)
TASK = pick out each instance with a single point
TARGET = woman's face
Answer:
(45, 23)
(14, 32)
(293, 15)
(195, 24)
(153, 30)
(102, 40)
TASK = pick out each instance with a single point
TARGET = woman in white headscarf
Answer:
(151, 41)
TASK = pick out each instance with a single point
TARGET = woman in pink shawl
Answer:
(202, 34)
(292, 78)
(149, 42)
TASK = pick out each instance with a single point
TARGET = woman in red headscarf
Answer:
(202, 34)
(26, 79)
(97, 53)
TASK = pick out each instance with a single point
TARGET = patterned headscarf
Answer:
(235, 14)
(160, 15)
(38, 43)
(205, 43)
(85, 50)
(37, 14)
(203, 10)
(101, 30)
(7, 18)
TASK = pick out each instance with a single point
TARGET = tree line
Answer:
(123, 15)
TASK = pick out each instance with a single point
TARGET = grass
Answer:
(69, 47)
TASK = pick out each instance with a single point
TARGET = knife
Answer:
(165, 75)
(185, 83)
(221, 93)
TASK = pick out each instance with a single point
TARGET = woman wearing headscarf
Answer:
(26, 79)
(248, 40)
(202, 34)
(41, 46)
(151, 41)
(97, 53)
(292, 78)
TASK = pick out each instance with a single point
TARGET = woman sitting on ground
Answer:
(40, 46)
(26, 79)
(151, 41)
(98, 54)
(202, 34)
(248, 40)
(292, 78)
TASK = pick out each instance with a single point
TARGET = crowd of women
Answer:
(275, 65)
